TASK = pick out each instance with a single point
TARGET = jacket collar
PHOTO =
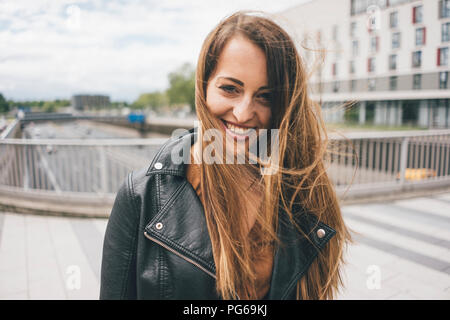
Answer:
(292, 258)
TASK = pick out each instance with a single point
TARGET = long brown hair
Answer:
(300, 180)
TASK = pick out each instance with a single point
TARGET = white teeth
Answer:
(238, 130)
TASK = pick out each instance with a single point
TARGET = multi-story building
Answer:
(82, 102)
(390, 56)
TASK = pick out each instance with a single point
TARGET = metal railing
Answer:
(375, 163)
(75, 167)
(92, 170)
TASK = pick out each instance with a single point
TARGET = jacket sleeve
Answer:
(118, 268)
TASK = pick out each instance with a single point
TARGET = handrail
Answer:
(364, 164)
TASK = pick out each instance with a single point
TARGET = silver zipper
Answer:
(179, 254)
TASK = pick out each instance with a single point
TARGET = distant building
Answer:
(83, 102)
(390, 55)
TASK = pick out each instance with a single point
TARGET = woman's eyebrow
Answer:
(239, 82)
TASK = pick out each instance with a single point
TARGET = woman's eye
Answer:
(266, 97)
(228, 89)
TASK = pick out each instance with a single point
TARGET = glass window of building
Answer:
(445, 32)
(417, 81)
(393, 83)
(443, 79)
(395, 2)
(355, 47)
(352, 67)
(353, 85)
(371, 64)
(372, 84)
(360, 6)
(396, 40)
(442, 56)
(444, 8)
(353, 29)
(393, 62)
(417, 59)
(418, 14)
(374, 44)
(420, 36)
(335, 86)
(393, 19)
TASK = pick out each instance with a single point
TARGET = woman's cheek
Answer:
(217, 104)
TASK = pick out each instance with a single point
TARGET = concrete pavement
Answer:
(403, 252)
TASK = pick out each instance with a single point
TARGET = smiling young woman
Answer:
(249, 73)
(214, 230)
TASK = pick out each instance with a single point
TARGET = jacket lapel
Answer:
(181, 225)
(295, 254)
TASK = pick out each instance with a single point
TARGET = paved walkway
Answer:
(403, 252)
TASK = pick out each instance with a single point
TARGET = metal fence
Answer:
(93, 169)
(371, 163)
(76, 168)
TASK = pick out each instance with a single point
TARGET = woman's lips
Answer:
(234, 135)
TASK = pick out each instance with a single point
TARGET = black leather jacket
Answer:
(157, 245)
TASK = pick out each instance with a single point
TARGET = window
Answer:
(417, 59)
(352, 67)
(374, 44)
(359, 6)
(393, 62)
(442, 56)
(418, 14)
(445, 34)
(396, 40)
(444, 9)
(355, 47)
(393, 83)
(417, 81)
(353, 85)
(371, 64)
(443, 79)
(335, 86)
(352, 29)
(372, 84)
(393, 19)
(420, 36)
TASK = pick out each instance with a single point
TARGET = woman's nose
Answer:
(243, 111)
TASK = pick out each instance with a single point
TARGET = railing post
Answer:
(403, 159)
(103, 172)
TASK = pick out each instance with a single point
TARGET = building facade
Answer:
(84, 102)
(390, 57)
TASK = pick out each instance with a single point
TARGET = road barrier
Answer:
(81, 177)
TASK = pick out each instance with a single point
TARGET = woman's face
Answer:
(237, 92)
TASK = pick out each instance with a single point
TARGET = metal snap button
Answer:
(321, 233)
(158, 165)
(159, 226)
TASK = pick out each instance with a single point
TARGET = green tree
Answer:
(4, 105)
(49, 106)
(154, 100)
(182, 86)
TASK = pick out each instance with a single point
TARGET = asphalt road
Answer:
(78, 168)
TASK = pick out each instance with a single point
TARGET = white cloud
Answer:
(53, 49)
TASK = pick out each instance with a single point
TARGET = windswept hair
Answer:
(300, 183)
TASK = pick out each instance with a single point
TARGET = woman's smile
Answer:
(237, 132)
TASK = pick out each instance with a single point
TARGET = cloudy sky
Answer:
(53, 49)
